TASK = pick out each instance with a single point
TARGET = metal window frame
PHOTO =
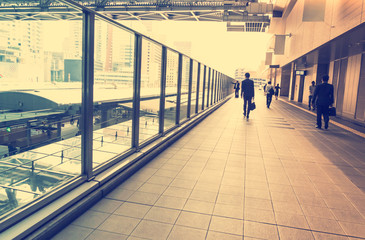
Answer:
(209, 87)
(86, 122)
(163, 90)
(191, 68)
(178, 96)
(136, 89)
(212, 88)
(197, 89)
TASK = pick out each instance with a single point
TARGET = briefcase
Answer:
(253, 106)
(332, 111)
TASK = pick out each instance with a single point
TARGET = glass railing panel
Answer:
(113, 91)
(184, 88)
(150, 90)
(193, 89)
(172, 66)
(40, 99)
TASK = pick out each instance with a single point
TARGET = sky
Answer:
(211, 43)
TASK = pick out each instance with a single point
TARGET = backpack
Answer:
(271, 91)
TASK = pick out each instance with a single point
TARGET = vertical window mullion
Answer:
(136, 89)
(163, 89)
(191, 66)
(197, 90)
(178, 96)
(87, 94)
(204, 78)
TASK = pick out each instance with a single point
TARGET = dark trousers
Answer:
(322, 110)
(246, 106)
(268, 99)
(310, 105)
(237, 91)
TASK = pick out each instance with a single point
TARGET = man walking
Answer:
(269, 92)
(324, 96)
(247, 93)
(311, 92)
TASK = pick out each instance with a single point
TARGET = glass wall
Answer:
(113, 91)
(44, 91)
(194, 81)
(172, 66)
(184, 88)
(40, 98)
(150, 90)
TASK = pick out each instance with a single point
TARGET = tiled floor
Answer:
(272, 177)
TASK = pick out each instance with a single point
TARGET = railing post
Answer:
(86, 123)
(208, 92)
(178, 97)
(191, 67)
(204, 77)
(136, 89)
(163, 89)
(197, 89)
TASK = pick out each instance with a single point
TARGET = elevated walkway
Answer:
(273, 177)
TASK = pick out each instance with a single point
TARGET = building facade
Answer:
(323, 38)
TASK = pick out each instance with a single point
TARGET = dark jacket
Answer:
(247, 88)
(323, 94)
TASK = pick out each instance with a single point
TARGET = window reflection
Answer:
(193, 89)
(172, 66)
(184, 88)
(40, 101)
(113, 91)
(150, 90)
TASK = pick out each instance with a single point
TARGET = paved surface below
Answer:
(273, 177)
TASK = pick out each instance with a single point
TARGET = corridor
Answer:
(273, 177)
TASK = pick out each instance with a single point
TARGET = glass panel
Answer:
(171, 88)
(40, 99)
(193, 89)
(150, 90)
(113, 91)
(208, 83)
(184, 88)
(201, 88)
(214, 79)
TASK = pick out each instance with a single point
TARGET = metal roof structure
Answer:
(248, 12)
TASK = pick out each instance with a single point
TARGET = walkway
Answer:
(273, 177)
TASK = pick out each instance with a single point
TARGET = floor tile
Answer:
(259, 215)
(260, 230)
(134, 210)
(222, 236)
(194, 220)
(294, 233)
(160, 214)
(226, 225)
(230, 211)
(324, 225)
(73, 232)
(91, 219)
(171, 202)
(107, 205)
(119, 224)
(183, 233)
(199, 206)
(144, 198)
(102, 235)
(152, 230)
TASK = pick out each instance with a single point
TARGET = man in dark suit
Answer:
(324, 96)
(247, 93)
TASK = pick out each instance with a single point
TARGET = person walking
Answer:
(277, 91)
(269, 92)
(247, 93)
(323, 94)
(236, 88)
(311, 92)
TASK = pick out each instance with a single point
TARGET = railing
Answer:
(108, 124)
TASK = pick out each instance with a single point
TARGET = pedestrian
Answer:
(269, 92)
(236, 88)
(323, 94)
(247, 93)
(277, 91)
(311, 92)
